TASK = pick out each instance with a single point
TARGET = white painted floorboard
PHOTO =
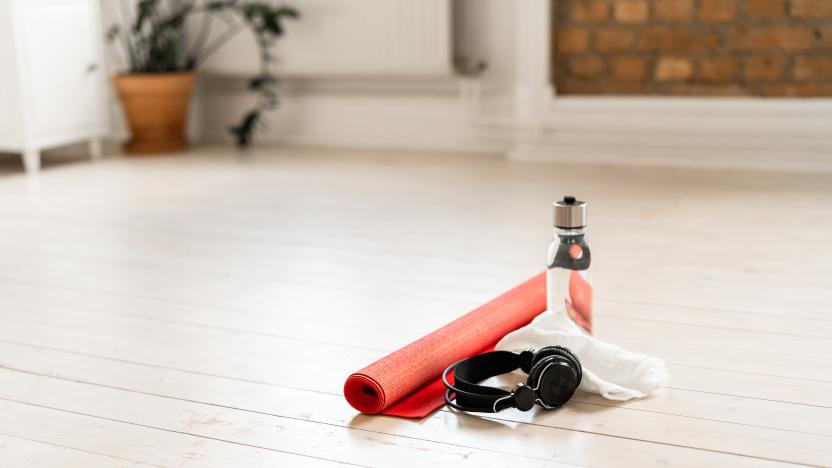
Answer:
(205, 309)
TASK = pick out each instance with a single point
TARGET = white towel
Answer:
(608, 370)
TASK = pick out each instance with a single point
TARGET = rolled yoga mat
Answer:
(408, 382)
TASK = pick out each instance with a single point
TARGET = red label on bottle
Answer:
(579, 304)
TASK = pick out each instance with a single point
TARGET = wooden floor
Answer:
(204, 310)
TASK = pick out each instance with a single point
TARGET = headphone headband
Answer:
(558, 365)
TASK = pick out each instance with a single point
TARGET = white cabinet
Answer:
(51, 78)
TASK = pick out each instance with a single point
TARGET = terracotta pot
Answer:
(156, 106)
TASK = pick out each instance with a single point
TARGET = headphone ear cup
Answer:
(562, 351)
(557, 351)
(542, 353)
(567, 353)
(537, 368)
(554, 378)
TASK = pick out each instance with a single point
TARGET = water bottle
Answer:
(568, 281)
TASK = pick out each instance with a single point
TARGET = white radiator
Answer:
(355, 38)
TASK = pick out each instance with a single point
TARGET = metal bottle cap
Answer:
(570, 213)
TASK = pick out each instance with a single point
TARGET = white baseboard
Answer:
(791, 134)
(383, 114)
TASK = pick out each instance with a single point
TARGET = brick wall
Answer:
(693, 47)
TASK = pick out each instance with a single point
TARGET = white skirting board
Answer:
(374, 114)
(792, 134)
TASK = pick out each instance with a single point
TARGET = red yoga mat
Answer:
(408, 382)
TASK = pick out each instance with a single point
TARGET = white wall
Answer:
(484, 29)
(411, 112)
(112, 13)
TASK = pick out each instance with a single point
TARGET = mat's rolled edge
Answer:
(364, 394)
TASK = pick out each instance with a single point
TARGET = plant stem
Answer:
(214, 45)
(199, 43)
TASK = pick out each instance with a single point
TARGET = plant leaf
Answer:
(144, 12)
(244, 130)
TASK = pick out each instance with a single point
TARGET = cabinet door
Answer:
(60, 68)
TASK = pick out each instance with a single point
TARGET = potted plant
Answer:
(160, 64)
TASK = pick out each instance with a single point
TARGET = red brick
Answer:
(797, 89)
(811, 8)
(771, 37)
(795, 37)
(719, 69)
(745, 38)
(826, 37)
(614, 39)
(657, 38)
(676, 39)
(631, 11)
(629, 68)
(764, 67)
(766, 9)
(812, 68)
(673, 69)
(586, 67)
(674, 10)
(697, 41)
(590, 11)
(718, 10)
(572, 40)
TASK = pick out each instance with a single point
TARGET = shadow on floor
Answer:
(11, 164)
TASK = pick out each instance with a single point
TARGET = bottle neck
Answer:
(569, 232)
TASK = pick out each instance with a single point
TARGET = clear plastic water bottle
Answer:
(568, 280)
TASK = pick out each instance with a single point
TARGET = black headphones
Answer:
(554, 375)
